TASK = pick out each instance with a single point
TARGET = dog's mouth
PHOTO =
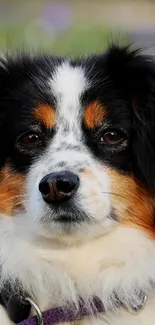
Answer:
(71, 217)
(65, 218)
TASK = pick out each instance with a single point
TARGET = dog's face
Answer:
(77, 142)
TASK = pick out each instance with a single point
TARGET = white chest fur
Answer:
(54, 275)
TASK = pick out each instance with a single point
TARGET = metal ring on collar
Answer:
(37, 310)
(138, 309)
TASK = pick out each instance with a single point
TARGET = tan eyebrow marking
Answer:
(46, 115)
(94, 114)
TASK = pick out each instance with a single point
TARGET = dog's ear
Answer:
(142, 96)
(13, 70)
(4, 87)
(143, 104)
(134, 73)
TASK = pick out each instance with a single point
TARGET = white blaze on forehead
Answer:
(67, 84)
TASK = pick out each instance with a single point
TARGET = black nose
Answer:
(58, 187)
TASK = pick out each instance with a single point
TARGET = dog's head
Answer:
(77, 142)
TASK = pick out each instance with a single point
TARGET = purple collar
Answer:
(62, 315)
(18, 309)
(71, 313)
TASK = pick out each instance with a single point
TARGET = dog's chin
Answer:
(68, 222)
(69, 228)
(63, 224)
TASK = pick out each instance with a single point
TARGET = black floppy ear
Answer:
(143, 103)
(134, 75)
(4, 86)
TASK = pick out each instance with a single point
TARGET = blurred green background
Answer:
(75, 27)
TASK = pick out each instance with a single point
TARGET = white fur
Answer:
(67, 84)
(57, 264)
(59, 272)
(4, 319)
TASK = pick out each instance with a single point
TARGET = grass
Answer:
(78, 40)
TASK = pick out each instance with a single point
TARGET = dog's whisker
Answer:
(113, 193)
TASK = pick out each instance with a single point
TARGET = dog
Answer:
(77, 183)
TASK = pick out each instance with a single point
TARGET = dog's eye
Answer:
(29, 139)
(112, 136)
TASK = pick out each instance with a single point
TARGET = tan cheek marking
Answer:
(11, 191)
(46, 115)
(94, 114)
(134, 204)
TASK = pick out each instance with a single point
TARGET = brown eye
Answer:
(112, 137)
(30, 139)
